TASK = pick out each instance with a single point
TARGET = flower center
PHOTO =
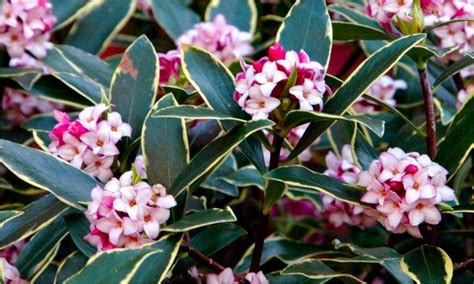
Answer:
(147, 218)
(98, 164)
(132, 202)
(114, 128)
(419, 206)
(100, 143)
(416, 186)
(261, 104)
(395, 172)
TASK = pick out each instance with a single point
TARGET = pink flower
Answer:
(424, 211)
(140, 166)
(10, 275)
(259, 105)
(115, 127)
(269, 77)
(12, 252)
(98, 166)
(100, 143)
(24, 30)
(127, 215)
(91, 115)
(223, 40)
(170, 65)
(225, 277)
(256, 278)
(383, 89)
(417, 186)
(72, 150)
(307, 95)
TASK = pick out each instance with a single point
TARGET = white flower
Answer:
(307, 95)
(115, 127)
(260, 106)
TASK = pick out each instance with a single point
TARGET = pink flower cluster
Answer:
(123, 214)
(405, 187)
(8, 257)
(18, 106)
(170, 66)
(383, 89)
(24, 30)
(89, 142)
(259, 87)
(339, 212)
(227, 277)
(383, 11)
(225, 41)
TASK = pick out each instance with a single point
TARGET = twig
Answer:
(429, 112)
(202, 258)
(464, 266)
(263, 221)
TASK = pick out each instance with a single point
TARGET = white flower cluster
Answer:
(89, 143)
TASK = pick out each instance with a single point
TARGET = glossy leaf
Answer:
(345, 31)
(308, 26)
(274, 190)
(67, 11)
(180, 94)
(215, 85)
(315, 269)
(175, 17)
(47, 172)
(194, 112)
(459, 139)
(78, 227)
(43, 122)
(285, 250)
(421, 54)
(300, 176)
(239, 13)
(202, 219)
(247, 176)
(70, 266)
(364, 152)
(110, 16)
(164, 145)
(155, 267)
(205, 160)
(36, 216)
(370, 70)
(428, 264)
(454, 68)
(51, 89)
(355, 16)
(215, 181)
(26, 78)
(134, 84)
(298, 117)
(41, 249)
(126, 263)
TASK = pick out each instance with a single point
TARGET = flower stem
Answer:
(429, 111)
(263, 221)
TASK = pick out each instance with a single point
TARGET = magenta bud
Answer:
(411, 169)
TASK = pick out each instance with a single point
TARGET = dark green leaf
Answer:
(41, 249)
(239, 13)
(428, 264)
(202, 219)
(79, 227)
(459, 140)
(315, 269)
(26, 78)
(134, 84)
(355, 16)
(125, 264)
(274, 190)
(164, 145)
(247, 176)
(308, 26)
(194, 112)
(93, 32)
(47, 172)
(300, 176)
(205, 160)
(70, 266)
(215, 84)
(421, 54)
(454, 68)
(364, 152)
(4, 215)
(345, 31)
(174, 17)
(215, 182)
(370, 70)
(43, 122)
(68, 11)
(36, 216)
(180, 94)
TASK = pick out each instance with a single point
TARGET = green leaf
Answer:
(274, 190)
(51, 89)
(355, 16)
(41, 249)
(300, 176)
(126, 263)
(364, 153)
(345, 31)
(387, 257)
(47, 275)
(67, 11)
(215, 182)
(35, 216)
(5, 215)
(459, 139)
(315, 269)
(93, 32)
(180, 94)
(242, 14)
(194, 112)
(215, 85)
(454, 68)
(201, 219)
(278, 278)
(299, 117)
(205, 160)
(70, 266)
(446, 111)
(428, 264)
(175, 17)
(43, 122)
(26, 78)
(369, 71)
(155, 267)
(308, 26)
(45, 171)
(164, 145)
(285, 250)
(247, 176)
(421, 54)
(134, 83)
(209, 241)
(78, 227)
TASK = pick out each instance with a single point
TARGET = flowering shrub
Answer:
(257, 141)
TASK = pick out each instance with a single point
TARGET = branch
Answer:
(202, 258)
(464, 266)
(429, 112)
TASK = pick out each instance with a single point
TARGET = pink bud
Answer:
(276, 52)
(396, 186)
(411, 169)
